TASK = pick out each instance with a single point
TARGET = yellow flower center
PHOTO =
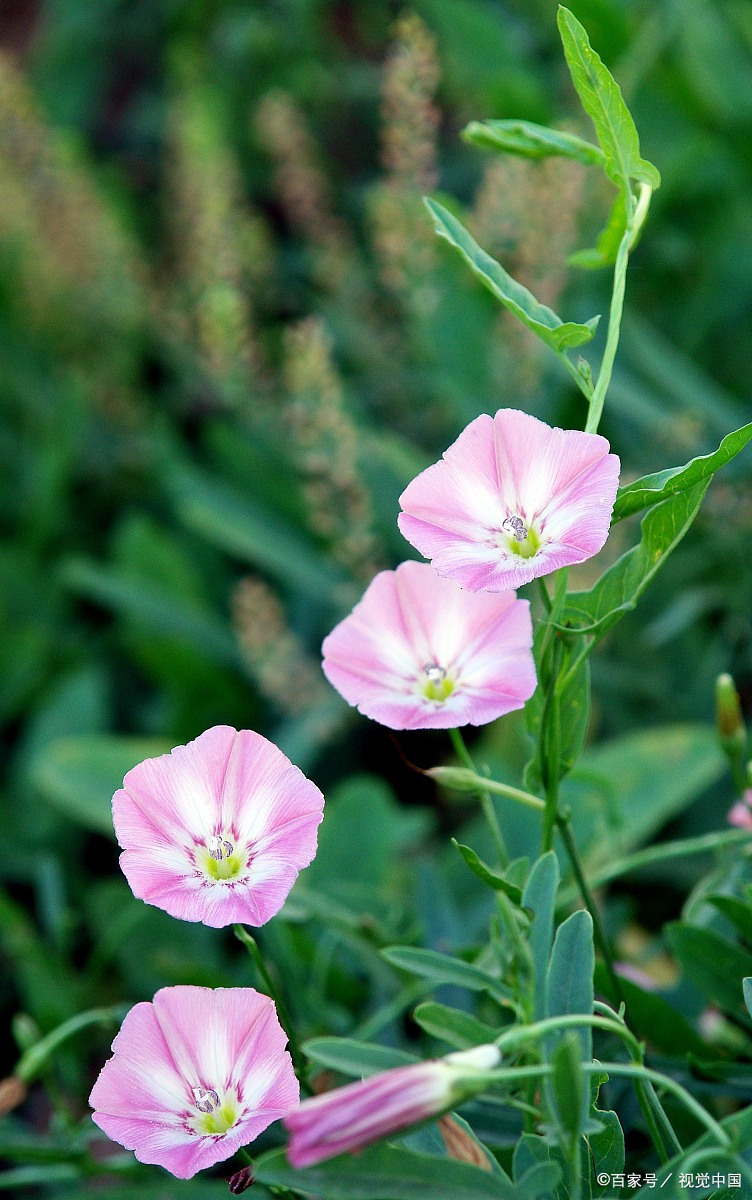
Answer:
(216, 1116)
(220, 859)
(436, 683)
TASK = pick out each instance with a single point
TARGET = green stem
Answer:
(634, 224)
(631, 1071)
(667, 851)
(34, 1059)
(543, 593)
(567, 836)
(463, 754)
(551, 731)
(251, 945)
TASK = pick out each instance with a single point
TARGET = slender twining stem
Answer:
(463, 754)
(551, 733)
(667, 851)
(251, 945)
(635, 221)
(632, 1071)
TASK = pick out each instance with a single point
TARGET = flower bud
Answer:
(361, 1113)
(732, 733)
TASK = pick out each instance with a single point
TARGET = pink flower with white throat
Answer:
(510, 500)
(194, 1076)
(418, 652)
(352, 1117)
(217, 831)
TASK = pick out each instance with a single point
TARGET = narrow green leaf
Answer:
(618, 590)
(443, 968)
(606, 248)
(389, 1173)
(567, 1086)
(569, 986)
(245, 528)
(487, 874)
(651, 489)
(714, 964)
(79, 775)
(603, 102)
(351, 1057)
(457, 1028)
(540, 896)
(542, 320)
(747, 992)
(532, 141)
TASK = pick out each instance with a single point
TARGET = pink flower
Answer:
(354, 1116)
(218, 830)
(418, 652)
(741, 813)
(510, 500)
(194, 1076)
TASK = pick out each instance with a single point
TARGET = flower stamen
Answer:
(205, 1099)
(219, 847)
(437, 685)
(517, 527)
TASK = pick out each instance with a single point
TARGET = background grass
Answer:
(228, 340)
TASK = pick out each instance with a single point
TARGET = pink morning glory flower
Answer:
(194, 1076)
(418, 652)
(510, 500)
(352, 1117)
(217, 831)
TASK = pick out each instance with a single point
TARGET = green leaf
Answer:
(715, 965)
(574, 716)
(735, 911)
(620, 587)
(607, 247)
(651, 489)
(457, 1028)
(240, 525)
(747, 992)
(567, 1090)
(543, 321)
(487, 874)
(351, 1057)
(626, 789)
(606, 1149)
(532, 141)
(388, 1173)
(79, 775)
(569, 986)
(540, 897)
(443, 968)
(603, 102)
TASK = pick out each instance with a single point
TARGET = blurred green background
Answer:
(228, 339)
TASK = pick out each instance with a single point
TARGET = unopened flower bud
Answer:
(241, 1180)
(361, 1113)
(457, 779)
(732, 732)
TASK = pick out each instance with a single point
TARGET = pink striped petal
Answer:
(191, 1044)
(559, 484)
(218, 830)
(412, 623)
